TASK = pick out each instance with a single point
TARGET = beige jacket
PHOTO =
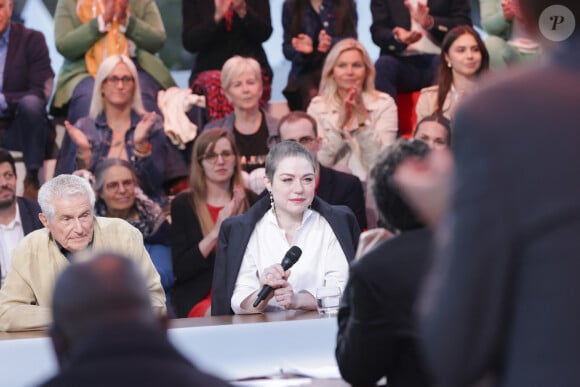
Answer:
(427, 103)
(26, 296)
(356, 154)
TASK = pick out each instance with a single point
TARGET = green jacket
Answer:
(492, 19)
(73, 39)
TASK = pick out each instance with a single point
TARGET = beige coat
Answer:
(356, 154)
(26, 296)
(427, 103)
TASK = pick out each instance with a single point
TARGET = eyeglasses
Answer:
(125, 79)
(115, 185)
(212, 157)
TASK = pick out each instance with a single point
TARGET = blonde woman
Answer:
(356, 122)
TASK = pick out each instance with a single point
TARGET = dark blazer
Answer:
(193, 272)
(376, 323)
(27, 70)
(235, 233)
(29, 210)
(502, 297)
(214, 44)
(339, 188)
(129, 355)
(388, 14)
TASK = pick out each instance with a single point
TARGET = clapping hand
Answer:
(405, 36)
(77, 136)
(420, 13)
(122, 11)
(324, 41)
(239, 7)
(511, 10)
(303, 44)
(221, 8)
(143, 127)
(354, 108)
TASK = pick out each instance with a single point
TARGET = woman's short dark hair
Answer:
(394, 211)
(284, 150)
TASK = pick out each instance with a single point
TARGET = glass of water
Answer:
(328, 301)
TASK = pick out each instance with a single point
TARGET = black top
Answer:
(377, 331)
(253, 148)
(193, 272)
(214, 44)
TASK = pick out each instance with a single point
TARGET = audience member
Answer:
(332, 186)
(26, 81)
(311, 27)
(87, 32)
(409, 34)
(251, 126)
(216, 193)
(216, 30)
(463, 60)
(105, 333)
(71, 231)
(507, 40)
(500, 298)
(377, 334)
(119, 127)
(435, 131)
(119, 196)
(356, 121)
(250, 246)
(18, 216)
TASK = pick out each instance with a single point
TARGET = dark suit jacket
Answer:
(129, 355)
(29, 210)
(388, 14)
(235, 233)
(27, 70)
(377, 332)
(193, 272)
(502, 296)
(339, 188)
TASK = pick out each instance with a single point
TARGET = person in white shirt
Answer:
(251, 246)
(18, 216)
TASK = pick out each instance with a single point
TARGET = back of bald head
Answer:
(105, 290)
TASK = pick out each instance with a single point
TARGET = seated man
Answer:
(18, 216)
(376, 334)
(106, 334)
(332, 186)
(71, 230)
(26, 81)
(409, 34)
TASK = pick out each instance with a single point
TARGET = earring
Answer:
(449, 64)
(272, 201)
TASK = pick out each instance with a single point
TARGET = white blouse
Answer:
(322, 257)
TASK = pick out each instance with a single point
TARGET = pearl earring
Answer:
(449, 64)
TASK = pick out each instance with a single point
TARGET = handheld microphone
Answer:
(288, 261)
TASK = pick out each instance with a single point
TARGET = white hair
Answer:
(60, 187)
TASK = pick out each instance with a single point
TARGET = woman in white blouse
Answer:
(251, 246)
(356, 121)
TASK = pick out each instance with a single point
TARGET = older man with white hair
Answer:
(71, 230)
